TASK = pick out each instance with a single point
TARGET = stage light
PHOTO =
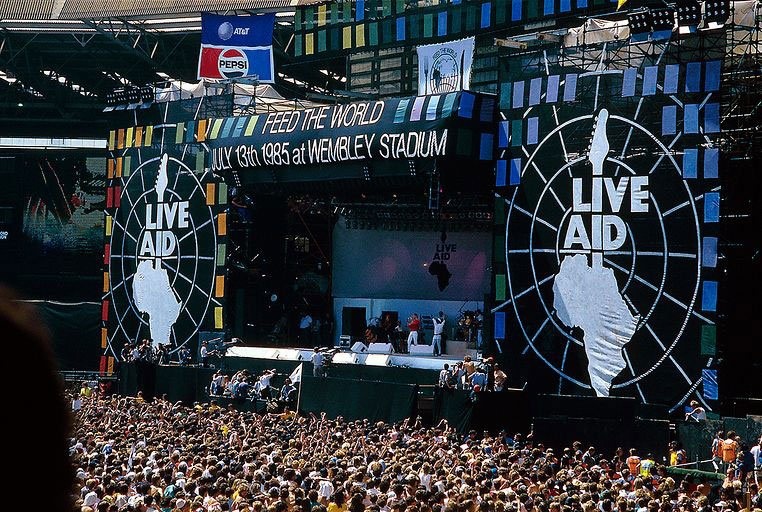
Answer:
(146, 94)
(688, 13)
(716, 11)
(640, 23)
(662, 19)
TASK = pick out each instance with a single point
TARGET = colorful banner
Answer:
(445, 67)
(237, 47)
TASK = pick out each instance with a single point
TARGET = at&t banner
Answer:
(236, 47)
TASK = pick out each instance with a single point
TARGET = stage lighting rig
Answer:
(663, 19)
(131, 97)
(146, 94)
(716, 12)
(640, 23)
(688, 13)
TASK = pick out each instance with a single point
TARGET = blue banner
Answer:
(239, 31)
(237, 47)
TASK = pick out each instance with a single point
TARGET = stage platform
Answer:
(422, 359)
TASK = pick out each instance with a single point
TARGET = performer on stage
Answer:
(398, 339)
(436, 340)
(414, 325)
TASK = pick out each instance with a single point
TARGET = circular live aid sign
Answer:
(233, 63)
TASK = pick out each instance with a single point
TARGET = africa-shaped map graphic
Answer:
(588, 297)
(151, 290)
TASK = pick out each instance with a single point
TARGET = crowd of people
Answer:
(244, 385)
(146, 351)
(470, 375)
(132, 455)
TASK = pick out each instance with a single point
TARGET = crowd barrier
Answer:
(392, 394)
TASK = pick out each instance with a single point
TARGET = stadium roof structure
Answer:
(100, 9)
(59, 59)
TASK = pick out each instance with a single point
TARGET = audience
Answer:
(135, 455)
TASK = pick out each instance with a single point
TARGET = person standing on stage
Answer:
(305, 328)
(317, 363)
(436, 340)
(262, 386)
(398, 339)
(414, 325)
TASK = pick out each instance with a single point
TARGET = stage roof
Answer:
(59, 59)
(103, 9)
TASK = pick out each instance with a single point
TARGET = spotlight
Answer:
(663, 19)
(688, 13)
(716, 11)
(640, 24)
(146, 94)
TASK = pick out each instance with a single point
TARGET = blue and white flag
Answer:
(237, 47)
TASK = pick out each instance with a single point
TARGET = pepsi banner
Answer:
(236, 47)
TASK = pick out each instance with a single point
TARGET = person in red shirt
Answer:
(414, 325)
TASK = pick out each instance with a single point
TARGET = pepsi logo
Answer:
(233, 63)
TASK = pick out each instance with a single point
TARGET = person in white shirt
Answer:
(756, 452)
(317, 363)
(697, 413)
(262, 387)
(204, 354)
(436, 340)
(444, 377)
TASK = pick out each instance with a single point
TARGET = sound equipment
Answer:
(359, 347)
(421, 350)
(380, 348)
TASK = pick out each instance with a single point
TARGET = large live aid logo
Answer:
(233, 63)
(162, 261)
(602, 250)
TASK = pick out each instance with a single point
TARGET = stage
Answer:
(376, 354)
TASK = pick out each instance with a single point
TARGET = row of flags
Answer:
(242, 47)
